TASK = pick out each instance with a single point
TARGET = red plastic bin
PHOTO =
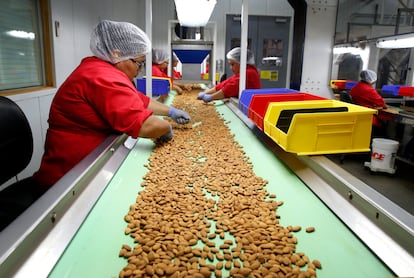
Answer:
(406, 91)
(259, 103)
(246, 96)
(339, 84)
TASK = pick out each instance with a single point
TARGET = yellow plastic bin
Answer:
(339, 84)
(319, 126)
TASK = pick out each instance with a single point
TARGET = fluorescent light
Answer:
(402, 41)
(194, 13)
(271, 58)
(346, 49)
(21, 34)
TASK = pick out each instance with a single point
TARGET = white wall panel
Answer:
(219, 16)
(77, 19)
(279, 7)
(235, 6)
(85, 15)
(261, 7)
(320, 30)
(130, 11)
(63, 46)
(162, 11)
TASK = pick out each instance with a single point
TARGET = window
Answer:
(272, 52)
(25, 52)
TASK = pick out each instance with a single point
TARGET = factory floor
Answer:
(398, 187)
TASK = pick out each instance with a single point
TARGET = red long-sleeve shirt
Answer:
(365, 95)
(156, 71)
(176, 74)
(230, 86)
(96, 100)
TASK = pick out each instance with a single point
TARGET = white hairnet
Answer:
(175, 58)
(160, 56)
(235, 53)
(118, 41)
(368, 76)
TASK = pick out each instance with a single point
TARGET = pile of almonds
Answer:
(204, 213)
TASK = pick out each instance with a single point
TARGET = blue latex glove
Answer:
(201, 95)
(208, 98)
(167, 136)
(178, 115)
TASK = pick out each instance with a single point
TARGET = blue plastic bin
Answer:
(390, 90)
(159, 86)
(246, 96)
(350, 84)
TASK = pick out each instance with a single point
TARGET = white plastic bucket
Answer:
(383, 153)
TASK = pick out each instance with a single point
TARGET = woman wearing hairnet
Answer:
(230, 87)
(364, 94)
(175, 60)
(98, 99)
(160, 61)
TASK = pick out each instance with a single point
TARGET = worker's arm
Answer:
(161, 109)
(154, 127)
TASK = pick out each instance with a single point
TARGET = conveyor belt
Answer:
(94, 249)
(101, 236)
(386, 228)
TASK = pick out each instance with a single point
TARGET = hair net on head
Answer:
(160, 56)
(118, 41)
(174, 57)
(368, 76)
(235, 53)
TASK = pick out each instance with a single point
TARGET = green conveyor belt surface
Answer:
(94, 250)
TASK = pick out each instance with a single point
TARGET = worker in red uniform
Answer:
(230, 87)
(175, 60)
(160, 61)
(364, 94)
(99, 99)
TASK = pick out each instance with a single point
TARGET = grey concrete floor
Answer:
(398, 187)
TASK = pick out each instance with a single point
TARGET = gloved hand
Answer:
(208, 98)
(178, 115)
(167, 136)
(201, 95)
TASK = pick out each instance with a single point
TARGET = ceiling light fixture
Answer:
(341, 49)
(194, 13)
(401, 41)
